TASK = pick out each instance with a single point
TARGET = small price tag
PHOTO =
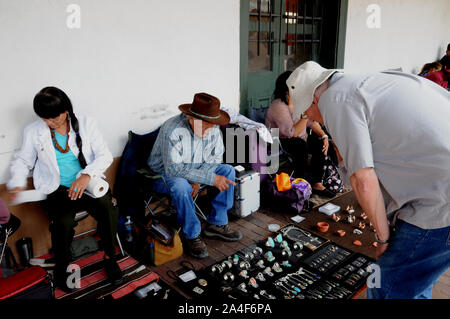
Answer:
(329, 209)
(188, 276)
(298, 218)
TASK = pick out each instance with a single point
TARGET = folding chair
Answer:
(147, 173)
(135, 180)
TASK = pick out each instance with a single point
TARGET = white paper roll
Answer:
(29, 196)
(96, 188)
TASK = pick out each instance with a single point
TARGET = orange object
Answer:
(283, 182)
(374, 244)
(357, 243)
(336, 218)
(323, 227)
(340, 233)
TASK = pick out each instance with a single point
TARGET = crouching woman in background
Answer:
(65, 152)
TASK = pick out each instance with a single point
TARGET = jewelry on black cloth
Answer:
(257, 251)
(197, 290)
(227, 263)
(266, 295)
(270, 242)
(242, 287)
(269, 256)
(202, 282)
(217, 268)
(278, 238)
(268, 271)
(260, 277)
(260, 264)
(276, 267)
(298, 245)
(252, 282)
(228, 276)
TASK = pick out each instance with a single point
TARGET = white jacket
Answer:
(38, 152)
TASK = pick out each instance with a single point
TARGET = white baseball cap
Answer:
(302, 84)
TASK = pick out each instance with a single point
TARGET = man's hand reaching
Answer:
(195, 189)
(221, 182)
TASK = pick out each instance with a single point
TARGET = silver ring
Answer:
(260, 277)
(258, 251)
(228, 276)
(217, 268)
(298, 245)
(243, 287)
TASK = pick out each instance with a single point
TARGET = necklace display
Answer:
(55, 142)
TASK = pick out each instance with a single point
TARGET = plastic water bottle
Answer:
(129, 237)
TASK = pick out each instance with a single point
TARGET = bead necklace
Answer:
(55, 142)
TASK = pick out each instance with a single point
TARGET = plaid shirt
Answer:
(178, 152)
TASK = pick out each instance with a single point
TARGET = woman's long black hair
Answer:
(49, 103)
(281, 87)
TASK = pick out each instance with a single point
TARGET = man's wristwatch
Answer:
(383, 242)
(323, 136)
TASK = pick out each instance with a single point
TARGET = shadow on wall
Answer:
(154, 112)
(20, 116)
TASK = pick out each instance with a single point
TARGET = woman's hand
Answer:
(326, 144)
(12, 193)
(77, 188)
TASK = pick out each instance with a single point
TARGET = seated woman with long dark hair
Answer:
(294, 138)
(65, 152)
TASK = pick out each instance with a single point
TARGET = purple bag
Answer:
(294, 200)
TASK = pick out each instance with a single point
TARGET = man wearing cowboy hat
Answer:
(188, 152)
(392, 131)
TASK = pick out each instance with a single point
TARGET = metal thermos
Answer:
(25, 250)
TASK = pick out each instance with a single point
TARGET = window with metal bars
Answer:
(287, 29)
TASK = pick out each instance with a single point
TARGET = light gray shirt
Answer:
(398, 124)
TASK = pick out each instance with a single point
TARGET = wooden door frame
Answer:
(243, 69)
(342, 32)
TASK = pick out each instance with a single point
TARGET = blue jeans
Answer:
(412, 263)
(180, 192)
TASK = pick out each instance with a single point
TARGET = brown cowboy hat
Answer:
(206, 108)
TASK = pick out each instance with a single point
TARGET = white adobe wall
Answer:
(130, 64)
(412, 33)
